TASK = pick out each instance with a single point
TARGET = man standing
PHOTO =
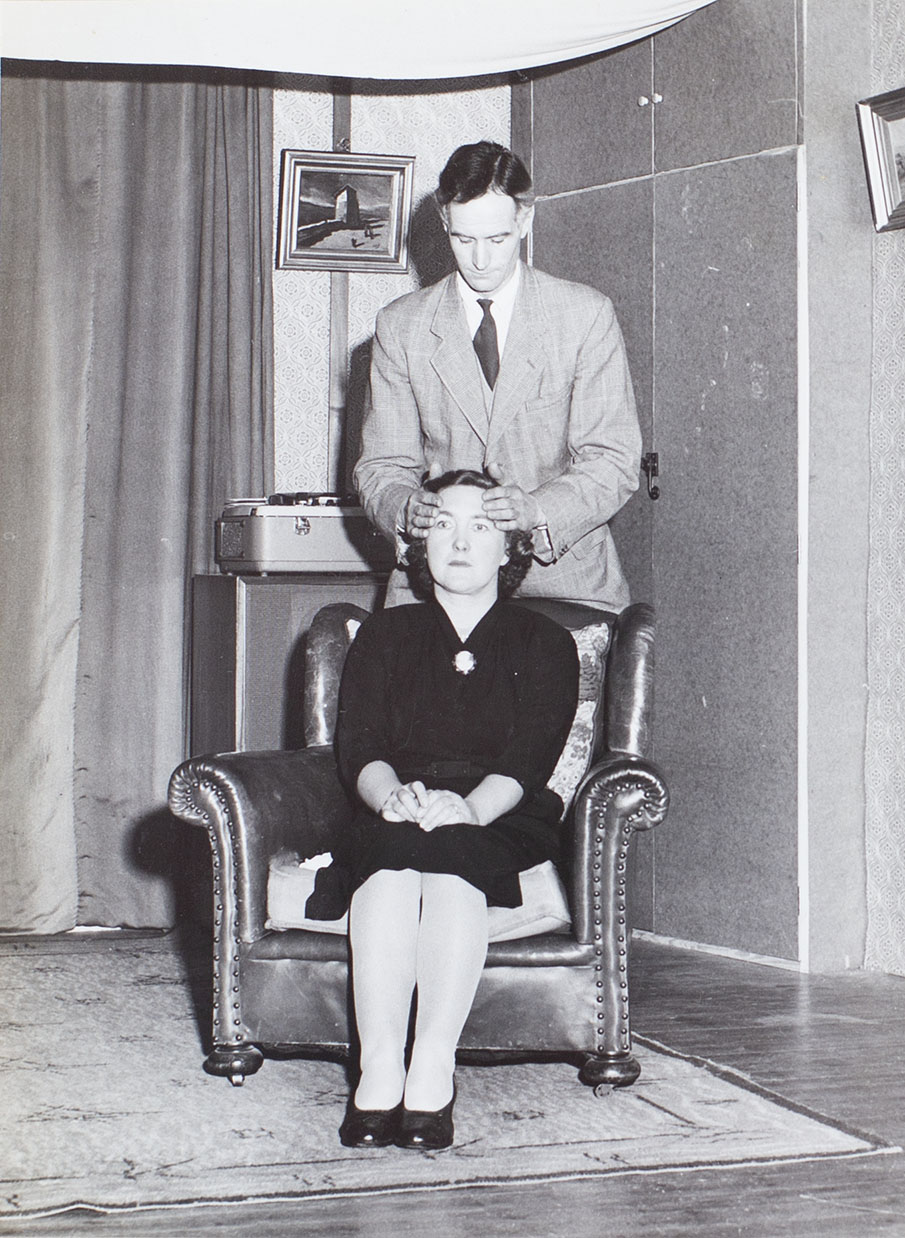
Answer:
(502, 367)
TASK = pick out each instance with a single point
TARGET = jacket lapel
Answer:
(454, 364)
(522, 356)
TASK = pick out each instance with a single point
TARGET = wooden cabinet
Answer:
(567, 152)
(248, 635)
(728, 83)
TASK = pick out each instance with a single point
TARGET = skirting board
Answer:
(743, 956)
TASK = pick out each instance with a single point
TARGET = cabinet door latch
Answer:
(650, 465)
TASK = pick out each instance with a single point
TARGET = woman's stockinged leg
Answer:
(383, 936)
(452, 947)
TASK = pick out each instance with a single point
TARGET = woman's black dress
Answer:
(403, 701)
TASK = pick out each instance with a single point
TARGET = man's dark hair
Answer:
(471, 171)
(518, 543)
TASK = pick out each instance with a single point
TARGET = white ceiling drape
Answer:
(383, 39)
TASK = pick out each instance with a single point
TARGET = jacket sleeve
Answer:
(392, 461)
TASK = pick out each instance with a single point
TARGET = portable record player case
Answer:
(300, 532)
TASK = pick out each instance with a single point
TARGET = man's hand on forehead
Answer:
(508, 505)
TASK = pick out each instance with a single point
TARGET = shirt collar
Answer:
(503, 298)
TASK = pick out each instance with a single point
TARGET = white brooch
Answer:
(464, 662)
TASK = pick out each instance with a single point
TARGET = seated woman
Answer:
(452, 717)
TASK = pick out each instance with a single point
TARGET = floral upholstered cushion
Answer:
(592, 643)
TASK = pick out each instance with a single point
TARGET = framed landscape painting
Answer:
(344, 212)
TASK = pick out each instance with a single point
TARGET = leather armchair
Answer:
(560, 994)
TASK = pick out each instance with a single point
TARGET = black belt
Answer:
(452, 769)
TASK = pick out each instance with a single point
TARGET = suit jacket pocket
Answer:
(591, 542)
(560, 398)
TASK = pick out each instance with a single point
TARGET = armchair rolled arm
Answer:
(254, 804)
(619, 795)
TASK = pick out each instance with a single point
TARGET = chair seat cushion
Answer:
(543, 909)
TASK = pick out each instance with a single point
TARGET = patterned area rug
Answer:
(106, 1106)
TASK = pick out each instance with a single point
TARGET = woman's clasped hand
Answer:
(412, 801)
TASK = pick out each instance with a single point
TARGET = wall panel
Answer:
(725, 553)
(604, 237)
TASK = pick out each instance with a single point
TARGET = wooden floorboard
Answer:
(835, 1044)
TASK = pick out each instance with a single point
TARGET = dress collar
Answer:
(477, 637)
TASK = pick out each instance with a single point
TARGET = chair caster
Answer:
(604, 1072)
(235, 1062)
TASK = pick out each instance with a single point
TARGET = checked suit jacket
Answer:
(561, 421)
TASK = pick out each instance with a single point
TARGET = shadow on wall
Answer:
(294, 694)
(430, 260)
(429, 250)
(165, 847)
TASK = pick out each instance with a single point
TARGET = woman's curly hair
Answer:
(518, 543)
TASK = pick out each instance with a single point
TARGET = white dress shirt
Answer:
(501, 309)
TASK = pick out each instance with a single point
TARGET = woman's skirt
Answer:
(489, 857)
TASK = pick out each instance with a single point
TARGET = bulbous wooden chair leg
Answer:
(234, 1061)
(609, 1070)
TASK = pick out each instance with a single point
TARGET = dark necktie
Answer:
(485, 344)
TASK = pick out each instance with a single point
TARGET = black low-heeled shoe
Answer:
(426, 1128)
(369, 1128)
